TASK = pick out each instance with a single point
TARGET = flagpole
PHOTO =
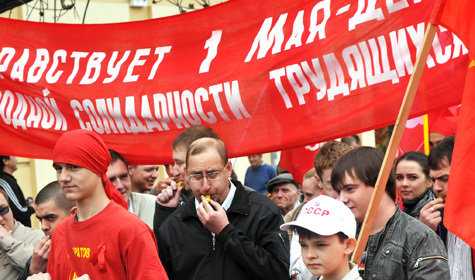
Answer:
(426, 134)
(394, 142)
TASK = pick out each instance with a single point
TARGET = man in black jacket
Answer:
(165, 203)
(225, 231)
(16, 199)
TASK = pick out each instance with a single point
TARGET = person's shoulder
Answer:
(293, 214)
(288, 216)
(267, 166)
(414, 230)
(35, 234)
(269, 169)
(28, 231)
(143, 197)
(27, 235)
(4, 180)
(412, 222)
(117, 212)
(60, 228)
(64, 223)
(173, 221)
(127, 222)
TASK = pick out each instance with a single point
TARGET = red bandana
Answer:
(446, 126)
(86, 149)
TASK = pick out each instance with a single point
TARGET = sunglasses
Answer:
(4, 210)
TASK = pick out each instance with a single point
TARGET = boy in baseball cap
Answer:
(326, 229)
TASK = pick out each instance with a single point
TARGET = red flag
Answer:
(457, 16)
(298, 161)
(460, 201)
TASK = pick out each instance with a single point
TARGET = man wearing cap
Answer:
(285, 192)
(225, 231)
(102, 239)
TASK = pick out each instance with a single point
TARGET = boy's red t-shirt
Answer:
(114, 244)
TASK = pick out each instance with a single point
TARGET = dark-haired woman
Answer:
(413, 183)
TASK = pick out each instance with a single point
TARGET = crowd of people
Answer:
(106, 219)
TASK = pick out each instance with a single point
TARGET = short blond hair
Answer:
(203, 144)
(328, 155)
(310, 174)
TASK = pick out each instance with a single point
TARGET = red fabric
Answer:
(413, 136)
(457, 16)
(460, 207)
(298, 161)
(115, 239)
(446, 126)
(333, 68)
(86, 149)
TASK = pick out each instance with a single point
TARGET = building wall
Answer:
(98, 11)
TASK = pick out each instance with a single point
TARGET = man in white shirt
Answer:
(142, 205)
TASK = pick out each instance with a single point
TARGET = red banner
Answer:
(460, 206)
(266, 75)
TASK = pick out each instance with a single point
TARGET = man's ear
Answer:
(350, 246)
(319, 181)
(73, 211)
(130, 167)
(229, 169)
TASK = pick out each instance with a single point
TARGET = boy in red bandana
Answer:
(103, 239)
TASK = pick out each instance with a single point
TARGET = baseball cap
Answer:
(324, 215)
(281, 179)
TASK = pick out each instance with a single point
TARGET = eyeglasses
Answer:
(4, 210)
(212, 176)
